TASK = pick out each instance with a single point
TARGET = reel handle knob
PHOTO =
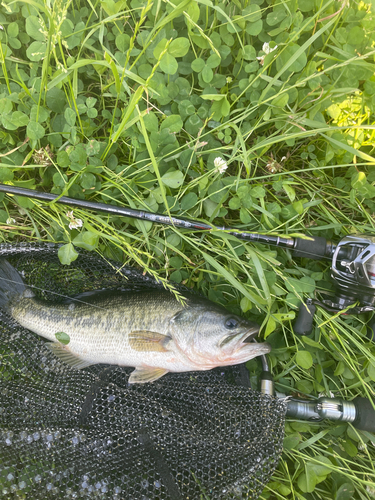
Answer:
(304, 322)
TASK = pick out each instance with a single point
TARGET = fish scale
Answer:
(103, 323)
(149, 329)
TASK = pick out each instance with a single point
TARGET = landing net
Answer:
(88, 434)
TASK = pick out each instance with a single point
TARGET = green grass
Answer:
(131, 102)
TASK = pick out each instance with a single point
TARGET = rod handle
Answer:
(365, 415)
(267, 385)
(316, 247)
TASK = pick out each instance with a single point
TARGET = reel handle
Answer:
(304, 322)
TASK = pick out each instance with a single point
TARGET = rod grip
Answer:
(304, 322)
(314, 248)
(365, 415)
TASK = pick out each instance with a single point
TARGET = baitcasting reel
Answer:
(353, 272)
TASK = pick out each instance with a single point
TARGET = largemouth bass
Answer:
(149, 330)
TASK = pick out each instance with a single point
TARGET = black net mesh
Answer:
(88, 434)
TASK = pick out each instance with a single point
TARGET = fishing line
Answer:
(56, 293)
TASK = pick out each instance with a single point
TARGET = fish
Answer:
(150, 330)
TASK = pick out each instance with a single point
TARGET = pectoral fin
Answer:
(146, 341)
(143, 375)
(65, 355)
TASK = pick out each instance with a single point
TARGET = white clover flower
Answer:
(271, 166)
(267, 50)
(74, 223)
(220, 164)
(10, 221)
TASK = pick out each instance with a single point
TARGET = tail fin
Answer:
(11, 284)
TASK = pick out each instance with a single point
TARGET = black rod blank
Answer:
(314, 248)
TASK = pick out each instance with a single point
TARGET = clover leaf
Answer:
(204, 68)
(177, 48)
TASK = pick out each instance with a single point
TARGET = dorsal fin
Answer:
(90, 294)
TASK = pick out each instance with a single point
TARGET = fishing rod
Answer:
(353, 270)
(312, 248)
(352, 259)
(359, 412)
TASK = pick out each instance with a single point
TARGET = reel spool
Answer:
(353, 271)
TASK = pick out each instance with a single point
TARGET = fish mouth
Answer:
(236, 340)
(248, 349)
(248, 343)
(250, 335)
(241, 347)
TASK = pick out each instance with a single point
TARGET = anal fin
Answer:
(65, 355)
(141, 375)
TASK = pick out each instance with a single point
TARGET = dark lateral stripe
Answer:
(160, 465)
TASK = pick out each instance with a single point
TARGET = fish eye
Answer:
(231, 323)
